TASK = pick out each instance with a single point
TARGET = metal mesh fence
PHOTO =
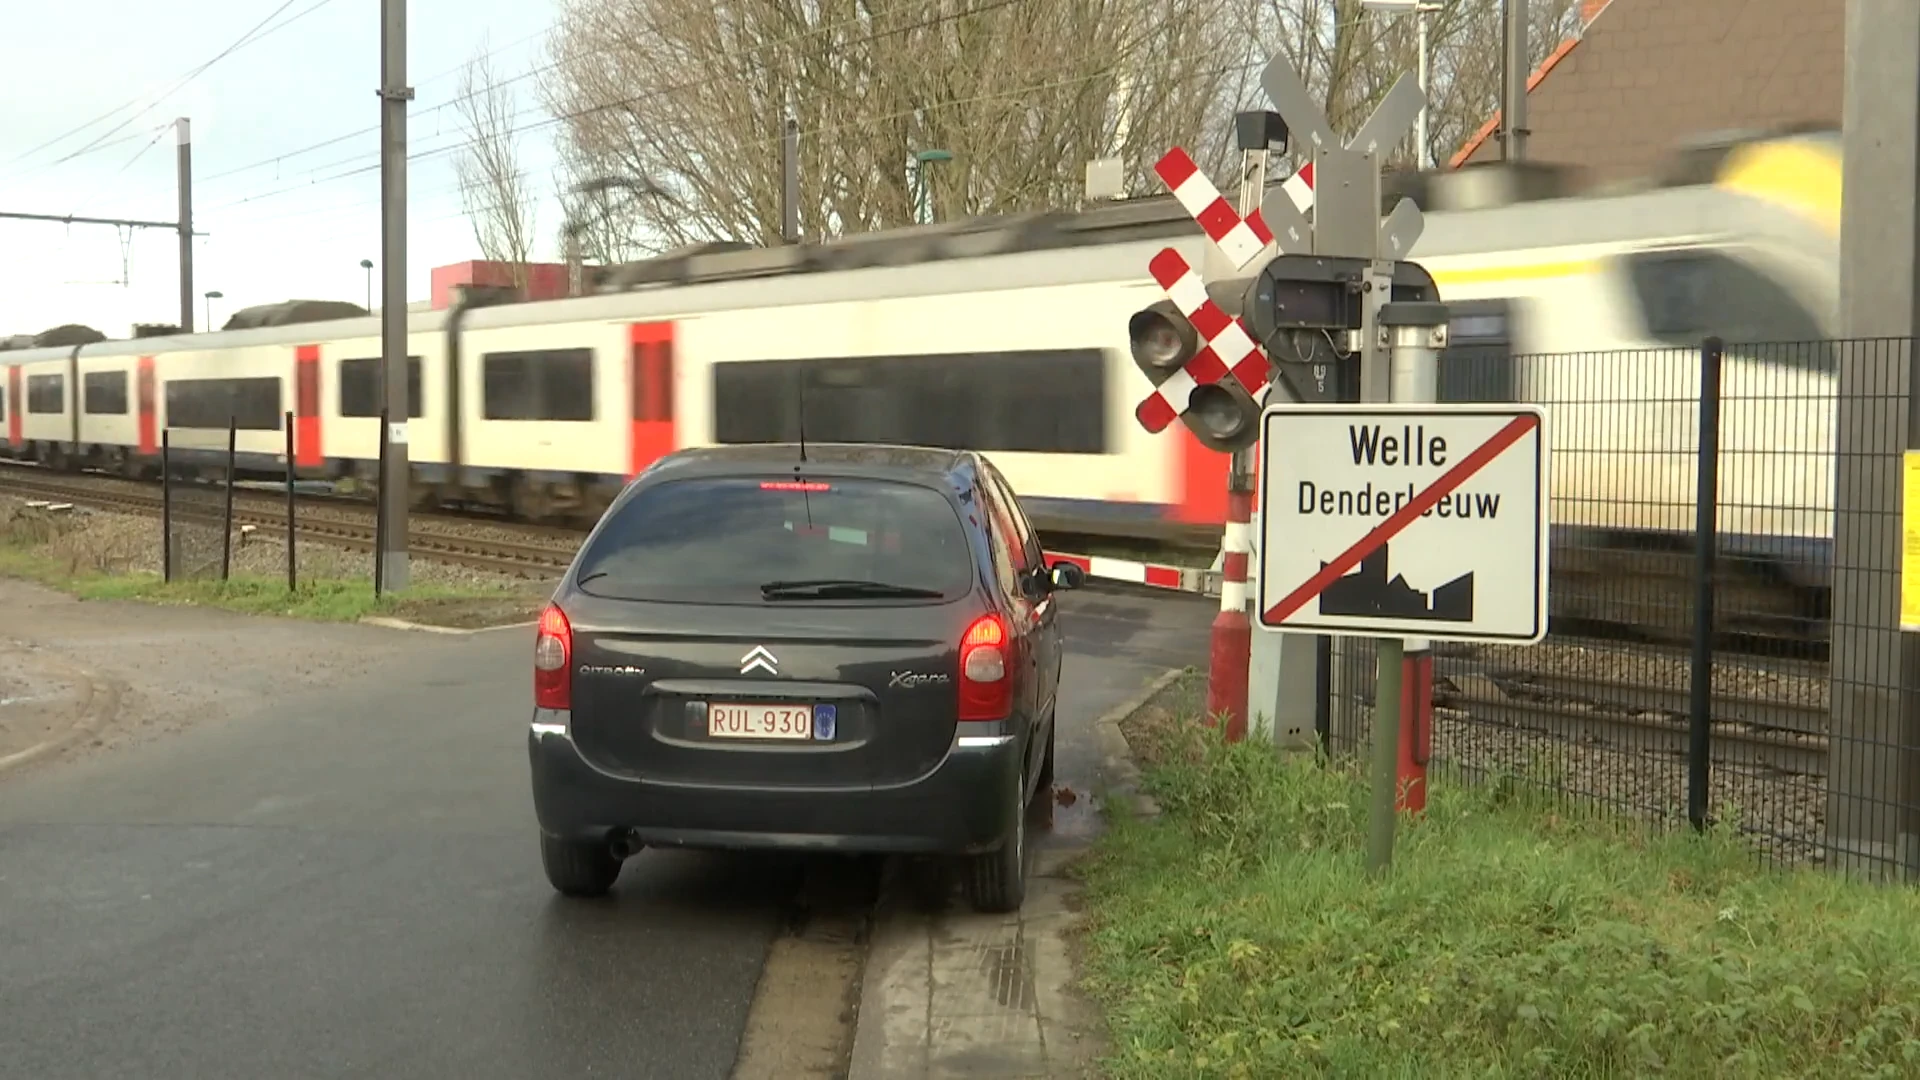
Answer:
(197, 465)
(1808, 752)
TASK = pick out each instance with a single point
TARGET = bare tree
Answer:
(1022, 93)
(494, 189)
(1350, 58)
(690, 95)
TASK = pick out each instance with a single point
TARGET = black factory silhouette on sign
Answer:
(1367, 591)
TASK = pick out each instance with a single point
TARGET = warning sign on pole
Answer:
(1417, 520)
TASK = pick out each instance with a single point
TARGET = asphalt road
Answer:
(347, 885)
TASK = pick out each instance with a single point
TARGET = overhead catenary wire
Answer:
(693, 84)
(250, 37)
(844, 125)
(461, 141)
(158, 132)
(282, 156)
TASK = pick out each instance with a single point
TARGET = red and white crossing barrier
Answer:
(1153, 575)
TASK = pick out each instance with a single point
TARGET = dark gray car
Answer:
(854, 650)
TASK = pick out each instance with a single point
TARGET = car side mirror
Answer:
(1067, 575)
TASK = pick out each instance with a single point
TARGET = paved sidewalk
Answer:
(957, 994)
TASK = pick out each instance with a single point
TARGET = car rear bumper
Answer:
(962, 806)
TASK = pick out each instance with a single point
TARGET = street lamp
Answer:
(1419, 9)
(212, 295)
(367, 265)
(923, 192)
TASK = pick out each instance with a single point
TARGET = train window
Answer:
(541, 384)
(1041, 401)
(1477, 364)
(360, 387)
(253, 404)
(105, 393)
(46, 393)
(1686, 296)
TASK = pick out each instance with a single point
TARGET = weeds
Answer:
(1238, 936)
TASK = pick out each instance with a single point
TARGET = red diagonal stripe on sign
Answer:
(1512, 433)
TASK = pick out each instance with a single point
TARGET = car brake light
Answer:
(986, 692)
(553, 661)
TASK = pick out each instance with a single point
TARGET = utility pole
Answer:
(1873, 771)
(184, 134)
(395, 481)
(1513, 111)
(790, 180)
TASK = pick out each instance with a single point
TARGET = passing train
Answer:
(1008, 335)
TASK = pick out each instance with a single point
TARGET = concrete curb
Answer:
(402, 624)
(1116, 756)
(99, 701)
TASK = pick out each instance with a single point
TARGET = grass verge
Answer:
(1238, 936)
(29, 554)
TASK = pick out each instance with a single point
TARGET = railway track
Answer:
(1627, 717)
(355, 529)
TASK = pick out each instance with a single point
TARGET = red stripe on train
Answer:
(15, 405)
(149, 425)
(1202, 481)
(306, 407)
(650, 381)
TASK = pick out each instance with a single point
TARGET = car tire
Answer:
(575, 869)
(997, 880)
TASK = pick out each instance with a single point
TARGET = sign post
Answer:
(1404, 521)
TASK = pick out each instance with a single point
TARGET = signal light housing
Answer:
(986, 677)
(553, 661)
(1162, 340)
(1222, 415)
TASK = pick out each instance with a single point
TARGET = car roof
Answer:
(878, 460)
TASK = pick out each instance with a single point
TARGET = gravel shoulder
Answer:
(165, 668)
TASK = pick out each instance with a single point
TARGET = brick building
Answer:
(1645, 78)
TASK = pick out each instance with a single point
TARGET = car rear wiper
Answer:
(827, 588)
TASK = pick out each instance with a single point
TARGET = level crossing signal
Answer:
(1212, 350)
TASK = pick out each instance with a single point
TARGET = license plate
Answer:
(727, 721)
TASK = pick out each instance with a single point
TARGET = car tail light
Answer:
(553, 661)
(986, 686)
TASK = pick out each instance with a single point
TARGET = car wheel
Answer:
(576, 869)
(997, 880)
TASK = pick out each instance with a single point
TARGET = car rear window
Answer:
(721, 540)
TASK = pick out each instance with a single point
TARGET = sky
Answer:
(285, 216)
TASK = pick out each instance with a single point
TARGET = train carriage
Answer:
(1010, 338)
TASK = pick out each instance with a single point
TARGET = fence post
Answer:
(226, 519)
(380, 507)
(1706, 540)
(292, 558)
(166, 508)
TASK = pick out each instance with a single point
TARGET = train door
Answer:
(650, 377)
(306, 407)
(148, 423)
(15, 405)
